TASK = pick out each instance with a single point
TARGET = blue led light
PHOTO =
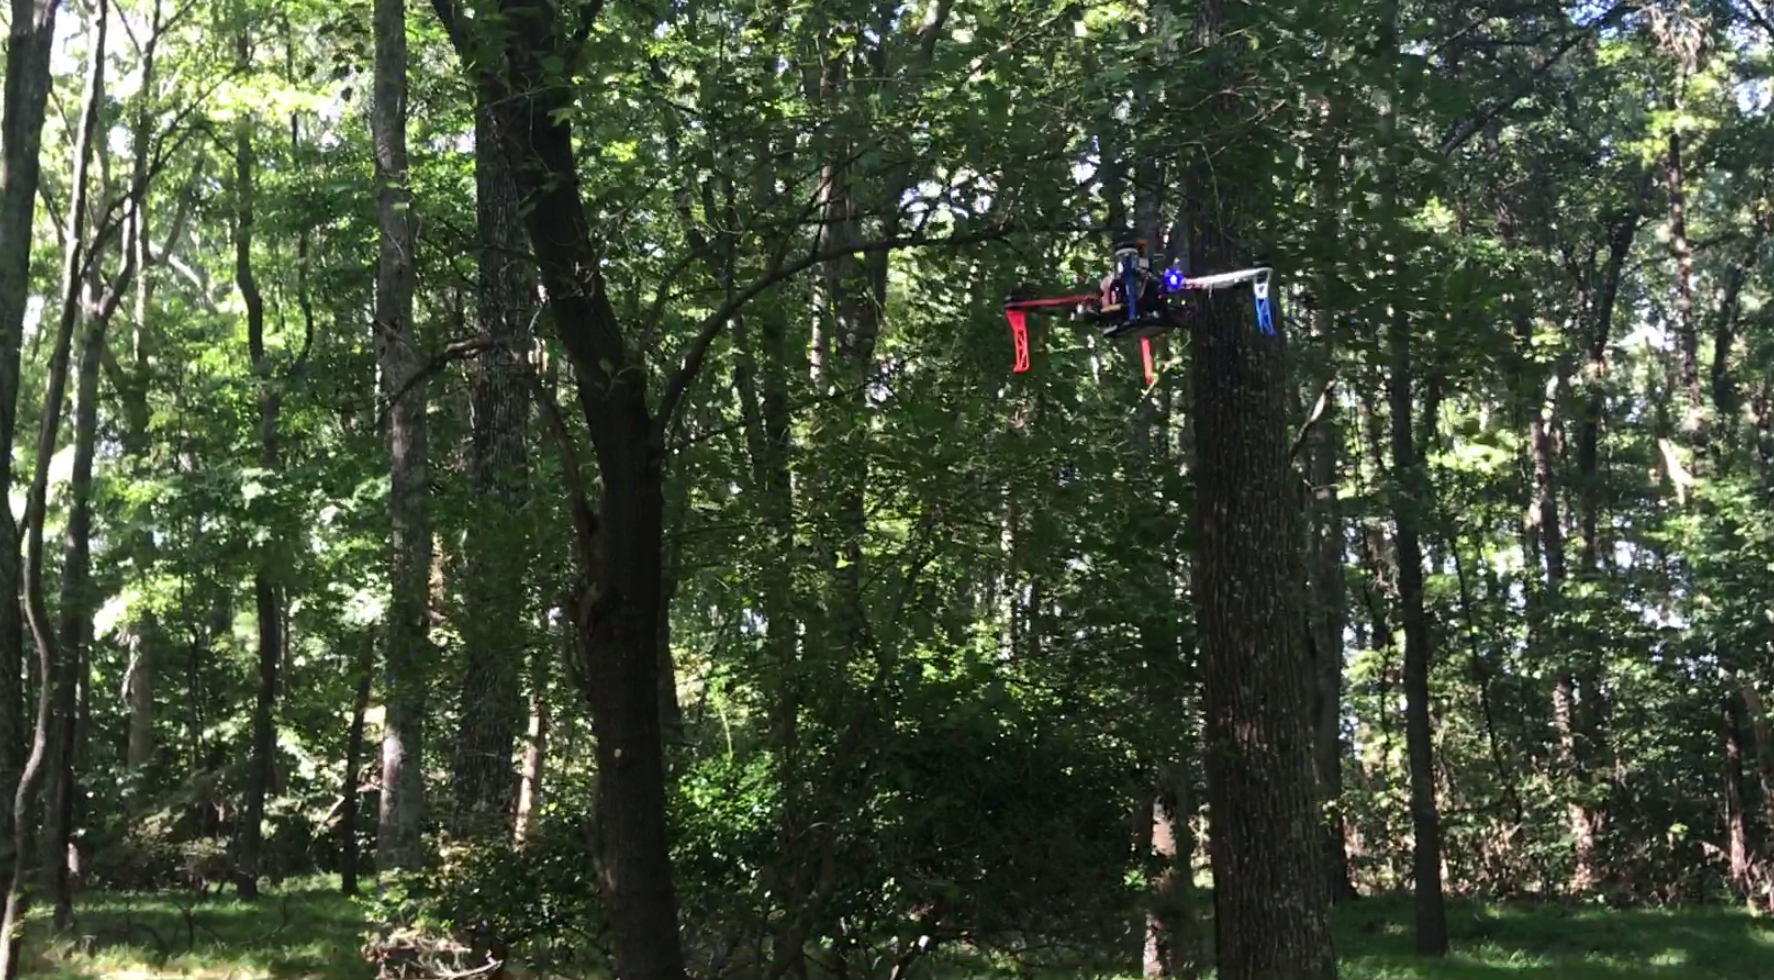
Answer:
(1173, 279)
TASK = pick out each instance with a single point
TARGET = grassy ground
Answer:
(307, 932)
(1546, 942)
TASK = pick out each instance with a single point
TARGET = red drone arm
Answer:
(1017, 312)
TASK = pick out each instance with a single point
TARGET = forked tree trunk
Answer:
(1579, 701)
(76, 604)
(620, 546)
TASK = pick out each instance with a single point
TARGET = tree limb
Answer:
(778, 272)
(1319, 409)
(1473, 125)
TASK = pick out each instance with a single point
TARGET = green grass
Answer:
(1549, 942)
(308, 932)
(304, 930)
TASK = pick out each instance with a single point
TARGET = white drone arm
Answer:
(1259, 287)
(1220, 280)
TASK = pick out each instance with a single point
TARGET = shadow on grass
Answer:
(303, 931)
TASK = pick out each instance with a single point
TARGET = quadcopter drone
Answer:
(1134, 303)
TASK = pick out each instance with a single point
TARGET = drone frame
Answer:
(1174, 283)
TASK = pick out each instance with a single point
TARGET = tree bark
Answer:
(1681, 251)
(1762, 737)
(350, 857)
(76, 603)
(407, 638)
(1409, 492)
(496, 547)
(620, 545)
(249, 835)
(529, 793)
(51, 743)
(1271, 919)
(1266, 844)
(1327, 609)
(29, 43)
(1579, 705)
(1736, 825)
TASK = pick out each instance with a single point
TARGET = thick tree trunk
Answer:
(29, 43)
(620, 547)
(1271, 919)
(496, 548)
(1409, 492)
(408, 644)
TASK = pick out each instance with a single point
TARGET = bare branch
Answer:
(458, 350)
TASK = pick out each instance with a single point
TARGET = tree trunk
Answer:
(529, 792)
(31, 39)
(249, 835)
(1686, 334)
(1409, 492)
(76, 603)
(621, 544)
(51, 744)
(1736, 826)
(1578, 699)
(1266, 846)
(1271, 921)
(1762, 736)
(1327, 605)
(1174, 947)
(139, 693)
(408, 650)
(496, 547)
(350, 857)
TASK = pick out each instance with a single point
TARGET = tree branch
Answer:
(459, 350)
(778, 272)
(1472, 126)
(1319, 409)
